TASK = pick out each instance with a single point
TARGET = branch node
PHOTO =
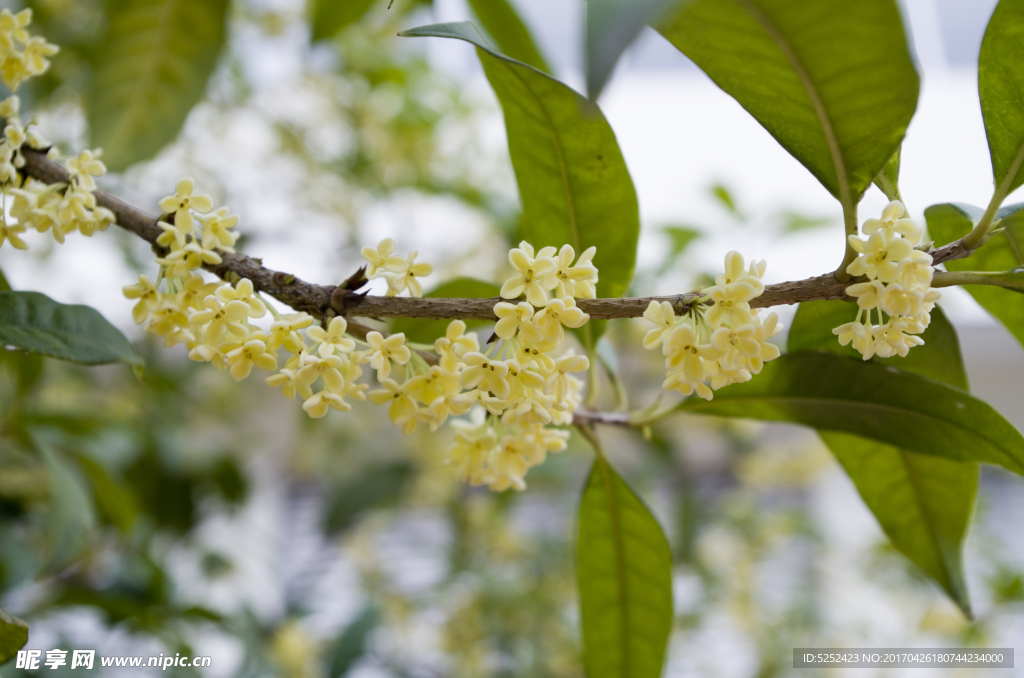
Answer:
(282, 279)
(355, 281)
(682, 305)
(342, 299)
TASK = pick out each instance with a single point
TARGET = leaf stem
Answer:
(851, 228)
(1012, 279)
(976, 237)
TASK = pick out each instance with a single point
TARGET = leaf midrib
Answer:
(812, 93)
(563, 168)
(926, 516)
(847, 403)
(620, 561)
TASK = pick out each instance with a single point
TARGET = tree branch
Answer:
(325, 300)
(318, 299)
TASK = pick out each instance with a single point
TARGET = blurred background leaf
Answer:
(156, 58)
(330, 16)
(612, 25)
(13, 636)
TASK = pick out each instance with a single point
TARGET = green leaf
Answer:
(328, 17)
(72, 515)
(611, 26)
(113, 501)
(1002, 252)
(836, 393)
(377, 487)
(723, 195)
(681, 237)
(794, 222)
(939, 358)
(924, 504)
(573, 181)
(351, 645)
(888, 180)
(33, 322)
(425, 331)
(624, 571)
(4, 285)
(13, 636)
(832, 80)
(501, 21)
(151, 69)
(26, 368)
(1000, 82)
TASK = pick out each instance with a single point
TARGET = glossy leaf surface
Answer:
(836, 393)
(624, 572)
(831, 80)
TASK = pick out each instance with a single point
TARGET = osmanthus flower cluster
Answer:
(216, 322)
(58, 208)
(896, 299)
(22, 56)
(719, 340)
(523, 384)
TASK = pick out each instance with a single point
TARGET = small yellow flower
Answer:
(317, 405)
(382, 258)
(12, 233)
(86, 166)
(879, 257)
(382, 351)
(454, 344)
(534, 275)
(408, 277)
(252, 352)
(401, 407)
(217, 229)
(290, 385)
(243, 291)
(333, 339)
(182, 202)
(513, 318)
(149, 298)
(485, 374)
(558, 312)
